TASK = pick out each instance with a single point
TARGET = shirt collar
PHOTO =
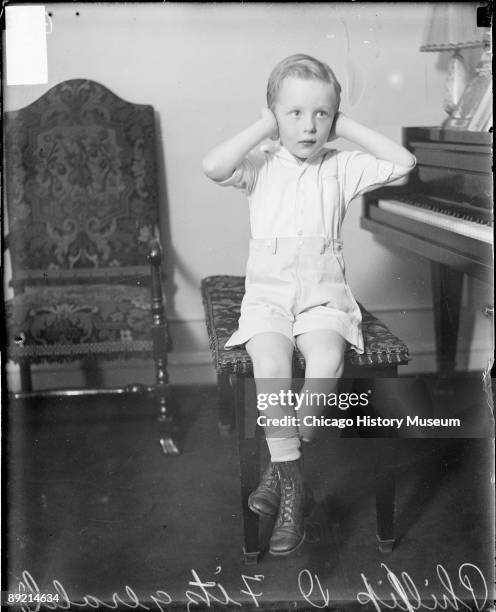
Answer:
(286, 156)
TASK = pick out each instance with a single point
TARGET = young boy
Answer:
(296, 290)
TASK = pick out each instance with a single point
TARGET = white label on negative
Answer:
(25, 45)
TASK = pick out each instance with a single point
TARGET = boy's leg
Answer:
(323, 351)
(272, 357)
(282, 485)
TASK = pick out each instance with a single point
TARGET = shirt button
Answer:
(300, 233)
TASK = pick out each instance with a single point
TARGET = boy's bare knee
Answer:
(271, 355)
(327, 363)
(270, 366)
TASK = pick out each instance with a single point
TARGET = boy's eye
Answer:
(295, 113)
(322, 113)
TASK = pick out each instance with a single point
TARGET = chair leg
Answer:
(25, 374)
(249, 467)
(160, 337)
(165, 422)
(165, 419)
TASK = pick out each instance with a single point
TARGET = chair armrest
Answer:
(155, 259)
(155, 253)
(16, 284)
(160, 336)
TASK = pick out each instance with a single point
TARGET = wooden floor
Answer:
(94, 509)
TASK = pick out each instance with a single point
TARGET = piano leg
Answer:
(447, 285)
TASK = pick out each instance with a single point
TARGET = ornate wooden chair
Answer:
(82, 202)
(222, 297)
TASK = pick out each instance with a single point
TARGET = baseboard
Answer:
(191, 367)
(423, 359)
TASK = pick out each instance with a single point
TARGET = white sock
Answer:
(284, 449)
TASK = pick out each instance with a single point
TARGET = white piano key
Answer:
(463, 227)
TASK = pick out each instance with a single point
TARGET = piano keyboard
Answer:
(463, 227)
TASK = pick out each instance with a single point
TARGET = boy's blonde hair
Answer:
(304, 67)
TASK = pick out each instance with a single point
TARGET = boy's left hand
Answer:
(337, 126)
(371, 141)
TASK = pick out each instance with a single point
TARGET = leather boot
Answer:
(289, 529)
(264, 500)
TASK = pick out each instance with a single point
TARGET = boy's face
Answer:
(305, 111)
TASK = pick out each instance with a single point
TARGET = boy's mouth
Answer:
(307, 142)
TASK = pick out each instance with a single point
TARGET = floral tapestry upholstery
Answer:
(222, 297)
(82, 213)
(81, 184)
(66, 322)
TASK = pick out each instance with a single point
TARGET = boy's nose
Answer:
(310, 125)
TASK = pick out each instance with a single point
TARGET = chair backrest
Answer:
(81, 184)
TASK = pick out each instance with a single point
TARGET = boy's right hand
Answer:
(269, 121)
(220, 163)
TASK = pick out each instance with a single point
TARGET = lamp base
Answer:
(474, 109)
(456, 81)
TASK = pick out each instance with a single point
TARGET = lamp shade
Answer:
(452, 25)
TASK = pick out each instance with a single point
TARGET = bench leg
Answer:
(384, 494)
(225, 406)
(385, 485)
(249, 467)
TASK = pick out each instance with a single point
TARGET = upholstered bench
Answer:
(384, 352)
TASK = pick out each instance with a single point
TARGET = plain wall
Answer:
(204, 68)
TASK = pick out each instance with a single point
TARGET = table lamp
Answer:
(452, 26)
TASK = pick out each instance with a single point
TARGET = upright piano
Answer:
(445, 214)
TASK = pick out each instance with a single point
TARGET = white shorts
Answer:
(296, 285)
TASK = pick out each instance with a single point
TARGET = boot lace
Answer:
(288, 503)
(291, 504)
(270, 479)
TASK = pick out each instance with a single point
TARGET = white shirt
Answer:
(289, 198)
